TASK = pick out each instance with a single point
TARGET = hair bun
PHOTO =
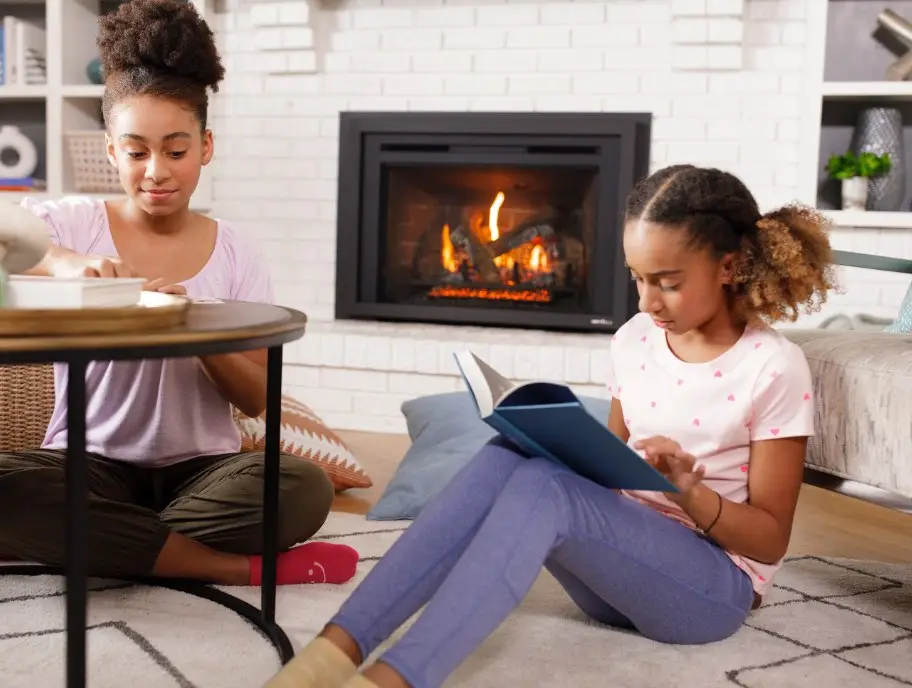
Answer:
(162, 37)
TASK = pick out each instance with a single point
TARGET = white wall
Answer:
(727, 81)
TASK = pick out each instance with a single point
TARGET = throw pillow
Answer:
(446, 432)
(903, 322)
(304, 434)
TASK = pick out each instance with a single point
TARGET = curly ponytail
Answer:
(788, 268)
(783, 259)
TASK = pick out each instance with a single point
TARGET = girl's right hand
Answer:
(681, 468)
(107, 266)
(160, 285)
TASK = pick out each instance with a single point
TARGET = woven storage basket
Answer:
(26, 405)
(92, 171)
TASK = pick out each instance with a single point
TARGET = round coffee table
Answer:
(209, 329)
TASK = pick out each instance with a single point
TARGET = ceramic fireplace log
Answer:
(901, 68)
(525, 232)
(481, 255)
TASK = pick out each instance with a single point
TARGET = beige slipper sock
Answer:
(358, 681)
(320, 664)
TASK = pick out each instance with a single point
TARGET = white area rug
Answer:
(834, 623)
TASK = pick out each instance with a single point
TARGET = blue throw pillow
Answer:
(446, 433)
(903, 322)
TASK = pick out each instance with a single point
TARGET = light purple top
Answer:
(152, 412)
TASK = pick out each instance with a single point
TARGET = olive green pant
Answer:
(216, 500)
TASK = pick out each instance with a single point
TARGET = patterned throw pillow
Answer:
(304, 434)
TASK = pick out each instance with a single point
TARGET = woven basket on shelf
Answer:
(92, 171)
(26, 405)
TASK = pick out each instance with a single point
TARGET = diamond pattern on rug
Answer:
(818, 578)
(780, 596)
(854, 620)
(110, 643)
(815, 670)
(822, 626)
(890, 659)
(893, 605)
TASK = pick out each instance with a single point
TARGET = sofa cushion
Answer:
(304, 434)
(446, 432)
(863, 396)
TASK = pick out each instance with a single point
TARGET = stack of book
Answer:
(22, 184)
(42, 293)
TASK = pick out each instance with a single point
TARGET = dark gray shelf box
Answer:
(837, 126)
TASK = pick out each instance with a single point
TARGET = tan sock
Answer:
(320, 664)
(359, 681)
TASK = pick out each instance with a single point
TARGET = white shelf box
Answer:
(870, 218)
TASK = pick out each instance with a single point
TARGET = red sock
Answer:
(312, 562)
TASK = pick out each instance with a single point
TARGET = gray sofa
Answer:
(863, 394)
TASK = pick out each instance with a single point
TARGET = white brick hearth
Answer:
(358, 374)
(725, 79)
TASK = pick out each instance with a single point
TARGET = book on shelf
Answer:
(23, 52)
(22, 184)
(548, 420)
(32, 292)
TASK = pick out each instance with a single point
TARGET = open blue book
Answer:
(547, 419)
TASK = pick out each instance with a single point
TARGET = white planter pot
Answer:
(854, 193)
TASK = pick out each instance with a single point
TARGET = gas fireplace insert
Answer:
(487, 218)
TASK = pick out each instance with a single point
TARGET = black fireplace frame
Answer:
(359, 189)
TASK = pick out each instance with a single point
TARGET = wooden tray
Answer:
(154, 311)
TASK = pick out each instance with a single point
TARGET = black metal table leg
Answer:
(77, 521)
(271, 483)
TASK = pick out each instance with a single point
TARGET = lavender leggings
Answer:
(475, 551)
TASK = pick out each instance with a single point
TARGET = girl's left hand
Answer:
(667, 457)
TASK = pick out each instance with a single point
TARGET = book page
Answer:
(485, 384)
(497, 383)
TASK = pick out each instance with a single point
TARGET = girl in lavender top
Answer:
(170, 492)
(710, 395)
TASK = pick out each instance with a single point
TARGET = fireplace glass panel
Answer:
(481, 236)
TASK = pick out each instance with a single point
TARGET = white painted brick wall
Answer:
(724, 78)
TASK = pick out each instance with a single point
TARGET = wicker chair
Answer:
(26, 404)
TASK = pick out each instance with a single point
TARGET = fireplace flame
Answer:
(538, 261)
(494, 214)
(447, 252)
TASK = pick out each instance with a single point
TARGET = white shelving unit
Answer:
(822, 93)
(867, 90)
(69, 101)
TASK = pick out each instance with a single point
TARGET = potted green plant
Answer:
(855, 171)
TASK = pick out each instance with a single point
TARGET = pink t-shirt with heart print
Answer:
(760, 389)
